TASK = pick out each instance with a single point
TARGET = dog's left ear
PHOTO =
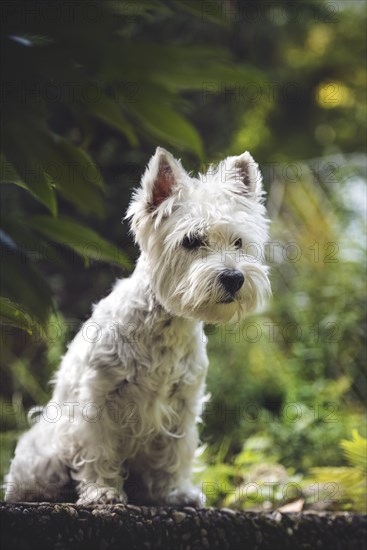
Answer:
(247, 173)
(162, 176)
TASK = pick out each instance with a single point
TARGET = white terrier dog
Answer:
(129, 392)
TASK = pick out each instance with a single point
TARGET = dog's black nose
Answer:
(231, 280)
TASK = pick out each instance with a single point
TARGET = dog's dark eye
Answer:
(238, 243)
(191, 242)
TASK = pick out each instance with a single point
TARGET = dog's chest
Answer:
(170, 367)
(172, 356)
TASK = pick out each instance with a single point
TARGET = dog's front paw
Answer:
(94, 494)
(186, 497)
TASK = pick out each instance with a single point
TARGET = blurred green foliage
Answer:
(250, 482)
(89, 89)
(85, 63)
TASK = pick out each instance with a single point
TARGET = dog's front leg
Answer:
(101, 491)
(97, 434)
(98, 466)
(165, 467)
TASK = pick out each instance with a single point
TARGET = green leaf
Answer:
(111, 112)
(76, 176)
(152, 107)
(85, 168)
(37, 248)
(40, 156)
(22, 283)
(356, 451)
(213, 11)
(74, 173)
(217, 76)
(14, 315)
(143, 8)
(8, 174)
(187, 68)
(20, 168)
(84, 241)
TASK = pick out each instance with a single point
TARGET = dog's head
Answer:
(203, 237)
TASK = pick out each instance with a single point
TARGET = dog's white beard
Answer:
(195, 291)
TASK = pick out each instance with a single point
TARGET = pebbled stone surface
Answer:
(46, 526)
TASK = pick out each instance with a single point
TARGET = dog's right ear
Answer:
(161, 177)
(160, 181)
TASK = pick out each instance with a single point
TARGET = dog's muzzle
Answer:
(231, 281)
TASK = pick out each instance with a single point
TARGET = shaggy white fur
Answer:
(129, 392)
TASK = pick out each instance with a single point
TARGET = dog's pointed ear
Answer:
(246, 172)
(161, 177)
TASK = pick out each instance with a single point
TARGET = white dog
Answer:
(122, 419)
